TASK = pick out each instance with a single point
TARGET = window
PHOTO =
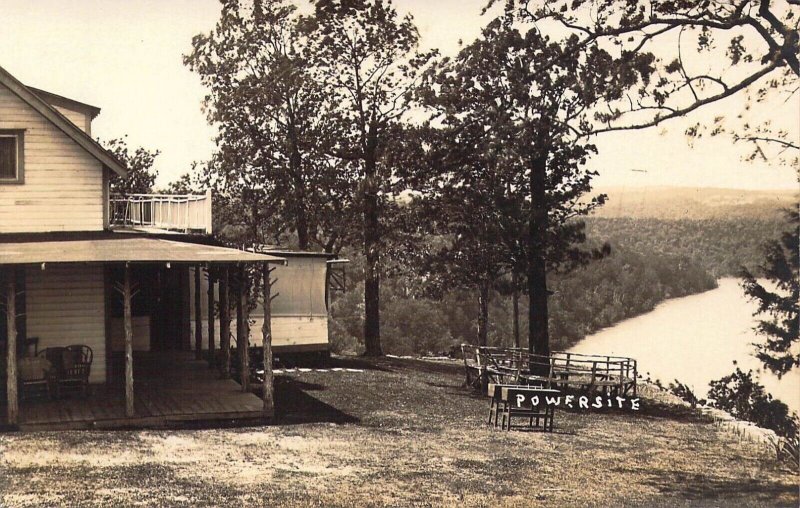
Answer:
(12, 149)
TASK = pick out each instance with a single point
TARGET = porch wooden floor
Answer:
(169, 388)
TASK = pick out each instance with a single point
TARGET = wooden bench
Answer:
(526, 401)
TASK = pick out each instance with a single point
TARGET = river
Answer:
(695, 339)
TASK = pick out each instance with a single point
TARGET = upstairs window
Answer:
(11, 156)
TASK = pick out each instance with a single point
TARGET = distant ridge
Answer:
(693, 202)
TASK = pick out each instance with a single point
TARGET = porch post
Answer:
(198, 319)
(211, 343)
(11, 348)
(126, 298)
(266, 331)
(225, 322)
(243, 331)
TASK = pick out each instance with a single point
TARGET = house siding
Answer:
(63, 188)
(65, 305)
(76, 117)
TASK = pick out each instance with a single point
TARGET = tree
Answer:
(366, 59)
(467, 251)
(759, 54)
(187, 183)
(510, 126)
(256, 67)
(744, 398)
(626, 84)
(782, 328)
(141, 174)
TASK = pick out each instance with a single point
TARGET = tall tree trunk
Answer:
(483, 317)
(301, 212)
(515, 307)
(372, 283)
(538, 334)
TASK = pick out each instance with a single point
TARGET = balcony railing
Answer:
(186, 213)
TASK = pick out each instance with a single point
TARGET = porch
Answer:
(123, 301)
(171, 388)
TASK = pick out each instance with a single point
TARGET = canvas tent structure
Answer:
(301, 293)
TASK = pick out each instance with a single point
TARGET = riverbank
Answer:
(695, 339)
(397, 432)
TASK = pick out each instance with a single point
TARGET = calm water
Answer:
(694, 339)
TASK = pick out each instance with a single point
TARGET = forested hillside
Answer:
(678, 243)
(720, 229)
(719, 245)
(693, 203)
(603, 293)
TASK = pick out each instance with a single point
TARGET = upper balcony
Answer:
(180, 213)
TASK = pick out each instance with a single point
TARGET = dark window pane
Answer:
(8, 157)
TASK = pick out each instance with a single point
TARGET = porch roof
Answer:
(137, 250)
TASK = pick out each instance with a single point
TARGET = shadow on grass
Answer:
(647, 410)
(459, 390)
(698, 486)
(524, 429)
(293, 405)
(354, 362)
(423, 365)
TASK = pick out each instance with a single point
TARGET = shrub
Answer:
(744, 398)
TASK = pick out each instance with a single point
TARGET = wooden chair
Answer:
(76, 367)
(53, 355)
(71, 367)
(34, 377)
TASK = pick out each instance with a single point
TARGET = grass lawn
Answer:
(399, 433)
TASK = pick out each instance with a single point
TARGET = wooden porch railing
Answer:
(561, 369)
(188, 213)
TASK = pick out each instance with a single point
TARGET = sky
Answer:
(125, 56)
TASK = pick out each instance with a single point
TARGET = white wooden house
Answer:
(114, 275)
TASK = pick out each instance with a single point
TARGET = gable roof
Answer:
(65, 102)
(72, 131)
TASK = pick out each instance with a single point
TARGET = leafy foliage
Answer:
(316, 142)
(624, 285)
(366, 58)
(782, 328)
(268, 173)
(720, 245)
(141, 174)
(505, 114)
(743, 397)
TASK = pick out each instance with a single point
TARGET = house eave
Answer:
(62, 123)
